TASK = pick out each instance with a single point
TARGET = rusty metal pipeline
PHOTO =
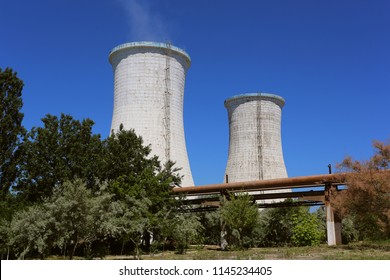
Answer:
(271, 184)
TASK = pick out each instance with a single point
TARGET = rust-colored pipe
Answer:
(282, 183)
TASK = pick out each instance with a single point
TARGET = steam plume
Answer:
(144, 24)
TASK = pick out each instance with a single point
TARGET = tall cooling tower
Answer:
(255, 147)
(149, 82)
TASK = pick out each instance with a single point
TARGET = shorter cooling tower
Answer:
(149, 82)
(255, 147)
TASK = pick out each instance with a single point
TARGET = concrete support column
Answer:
(223, 242)
(333, 222)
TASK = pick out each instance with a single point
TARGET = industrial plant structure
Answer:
(149, 82)
(255, 147)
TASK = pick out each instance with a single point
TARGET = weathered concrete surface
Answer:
(255, 147)
(148, 97)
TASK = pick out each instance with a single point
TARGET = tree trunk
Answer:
(137, 252)
(74, 248)
(137, 249)
(64, 252)
(224, 243)
(147, 241)
(123, 246)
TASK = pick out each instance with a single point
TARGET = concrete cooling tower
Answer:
(255, 147)
(149, 82)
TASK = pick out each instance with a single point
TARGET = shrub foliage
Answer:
(367, 198)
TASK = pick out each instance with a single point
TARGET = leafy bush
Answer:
(31, 232)
(286, 226)
(306, 228)
(187, 229)
(366, 198)
(276, 226)
(211, 222)
(240, 214)
(348, 231)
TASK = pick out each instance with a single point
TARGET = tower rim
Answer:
(150, 45)
(256, 95)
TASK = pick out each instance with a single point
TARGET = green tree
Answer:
(31, 232)
(73, 217)
(240, 214)
(5, 236)
(133, 172)
(125, 154)
(306, 228)
(11, 129)
(131, 222)
(186, 229)
(211, 222)
(9, 205)
(294, 225)
(276, 226)
(63, 149)
(71, 208)
(349, 232)
(366, 198)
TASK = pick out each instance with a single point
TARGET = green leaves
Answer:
(124, 154)
(186, 229)
(240, 215)
(133, 221)
(306, 228)
(63, 149)
(11, 129)
(31, 230)
(286, 226)
(74, 216)
(55, 171)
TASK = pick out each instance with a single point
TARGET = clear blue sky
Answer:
(330, 61)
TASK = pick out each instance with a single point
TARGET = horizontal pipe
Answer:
(263, 196)
(271, 184)
(260, 205)
(267, 196)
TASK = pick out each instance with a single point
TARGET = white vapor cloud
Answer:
(144, 24)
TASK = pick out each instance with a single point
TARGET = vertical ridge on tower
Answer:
(167, 103)
(259, 139)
